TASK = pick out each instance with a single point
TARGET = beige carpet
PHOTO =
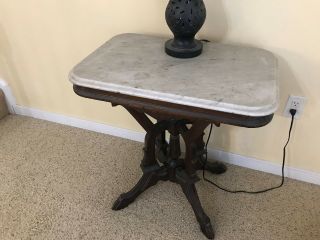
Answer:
(59, 182)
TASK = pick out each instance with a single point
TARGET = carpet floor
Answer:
(59, 182)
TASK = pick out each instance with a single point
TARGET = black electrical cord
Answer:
(293, 113)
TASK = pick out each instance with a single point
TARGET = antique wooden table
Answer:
(225, 85)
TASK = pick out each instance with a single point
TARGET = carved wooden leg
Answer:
(148, 180)
(152, 172)
(190, 191)
(214, 167)
(187, 177)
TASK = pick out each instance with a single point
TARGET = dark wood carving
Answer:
(162, 160)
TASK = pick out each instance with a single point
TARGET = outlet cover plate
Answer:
(297, 103)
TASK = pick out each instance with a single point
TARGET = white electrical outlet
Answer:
(297, 103)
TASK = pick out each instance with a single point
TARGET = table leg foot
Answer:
(147, 180)
(216, 167)
(200, 155)
(190, 191)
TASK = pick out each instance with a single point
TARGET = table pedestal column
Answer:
(162, 162)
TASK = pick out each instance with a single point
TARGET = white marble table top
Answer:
(227, 78)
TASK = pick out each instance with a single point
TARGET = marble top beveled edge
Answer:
(177, 99)
(110, 85)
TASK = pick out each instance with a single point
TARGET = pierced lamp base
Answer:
(178, 49)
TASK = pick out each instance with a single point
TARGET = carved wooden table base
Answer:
(162, 162)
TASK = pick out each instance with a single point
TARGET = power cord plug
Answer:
(293, 113)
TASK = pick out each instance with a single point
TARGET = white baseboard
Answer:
(235, 159)
(264, 166)
(79, 123)
(10, 99)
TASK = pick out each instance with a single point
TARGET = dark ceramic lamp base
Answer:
(185, 18)
(174, 49)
